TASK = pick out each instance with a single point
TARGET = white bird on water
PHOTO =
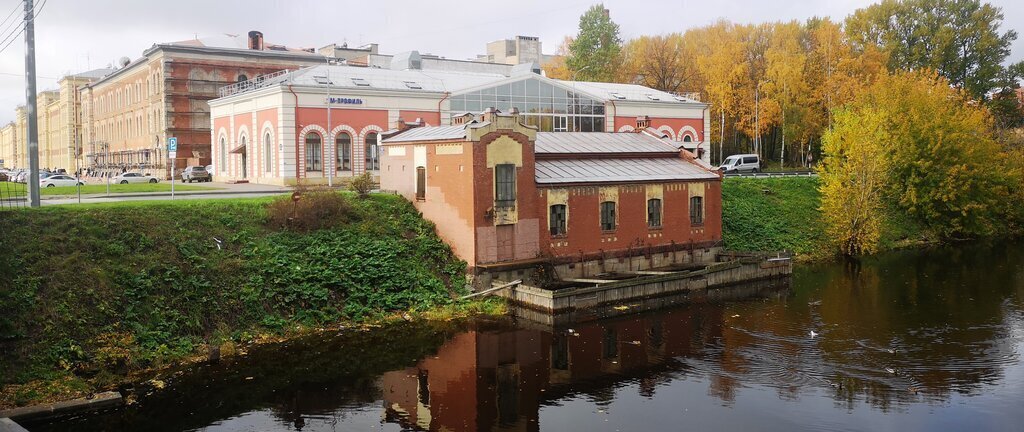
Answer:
(813, 334)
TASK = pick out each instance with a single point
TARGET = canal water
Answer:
(909, 341)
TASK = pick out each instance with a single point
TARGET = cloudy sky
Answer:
(76, 35)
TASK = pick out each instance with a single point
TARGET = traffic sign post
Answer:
(172, 152)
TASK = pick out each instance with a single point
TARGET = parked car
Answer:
(19, 177)
(131, 177)
(4, 176)
(741, 163)
(60, 180)
(195, 173)
(209, 169)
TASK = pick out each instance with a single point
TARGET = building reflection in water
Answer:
(498, 378)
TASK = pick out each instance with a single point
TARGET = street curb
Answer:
(163, 194)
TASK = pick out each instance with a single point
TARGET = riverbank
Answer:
(784, 214)
(101, 293)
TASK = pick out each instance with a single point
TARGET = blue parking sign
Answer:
(172, 144)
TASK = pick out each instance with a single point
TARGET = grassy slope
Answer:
(18, 189)
(110, 288)
(772, 214)
(782, 214)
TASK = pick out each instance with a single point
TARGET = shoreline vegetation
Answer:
(110, 295)
(102, 292)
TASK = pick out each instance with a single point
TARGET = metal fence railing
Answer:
(12, 195)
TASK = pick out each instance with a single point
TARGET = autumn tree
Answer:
(557, 68)
(662, 62)
(594, 52)
(853, 177)
(941, 165)
(960, 39)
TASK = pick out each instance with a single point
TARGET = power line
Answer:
(22, 30)
(4, 23)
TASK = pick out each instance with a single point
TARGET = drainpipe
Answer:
(296, 133)
(446, 94)
(615, 111)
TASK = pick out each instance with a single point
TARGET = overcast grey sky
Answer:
(76, 35)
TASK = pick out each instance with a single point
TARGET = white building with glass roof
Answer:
(323, 124)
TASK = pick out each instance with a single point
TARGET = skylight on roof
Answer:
(617, 95)
(652, 96)
(413, 84)
(681, 99)
(360, 82)
(322, 80)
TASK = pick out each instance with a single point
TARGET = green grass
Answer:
(769, 214)
(101, 289)
(19, 189)
(772, 214)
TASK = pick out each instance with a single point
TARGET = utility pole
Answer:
(30, 104)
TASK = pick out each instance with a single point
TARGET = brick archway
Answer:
(300, 156)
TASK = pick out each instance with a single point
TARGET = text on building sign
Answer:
(346, 101)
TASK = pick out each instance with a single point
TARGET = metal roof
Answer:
(379, 79)
(628, 92)
(565, 171)
(601, 142)
(429, 133)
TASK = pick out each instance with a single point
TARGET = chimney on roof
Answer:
(642, 122)
(489, 114)
(462, 119)
(256, 40)
(403, 126)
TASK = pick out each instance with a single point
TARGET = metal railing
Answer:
(776, 174)
(256, 82)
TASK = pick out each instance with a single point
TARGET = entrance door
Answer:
(245, 167)
(421, 183)
(506, 242)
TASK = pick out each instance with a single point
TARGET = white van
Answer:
(741, 163)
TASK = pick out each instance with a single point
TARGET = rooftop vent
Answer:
(617, 95)
(407, 60)
(322, 80)
(525, 68)
(360, 82)
(413, 85)
(652, 96)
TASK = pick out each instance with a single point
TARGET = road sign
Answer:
(172, 147)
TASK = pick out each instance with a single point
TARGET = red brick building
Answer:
(506, 196)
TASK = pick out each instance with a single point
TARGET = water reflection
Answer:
(912, 340)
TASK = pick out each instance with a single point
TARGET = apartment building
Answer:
(129, 114)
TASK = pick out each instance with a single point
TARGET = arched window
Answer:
(222, 166)
(654, 213)
(372, 160)
(557, 219)
(343, 152)
(242, 78)
(268, 152)
(313, 154)
(687, 138)
(696, 211)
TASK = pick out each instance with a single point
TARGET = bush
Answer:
(362, 184)
(309, 210)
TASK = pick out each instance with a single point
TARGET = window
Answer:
(608, 216)
(242, 78)
(696, 211)
(313, 160)
(687, 138)
(557, 219)
(421, 183)
(343, 146)
(223, 155)
(505, 185)
(268, 152)
(654, 213)
(372, 161)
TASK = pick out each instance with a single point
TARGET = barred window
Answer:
(558, 219)
(505, 185)
(608, 216)
(654, 213)
(696, 211)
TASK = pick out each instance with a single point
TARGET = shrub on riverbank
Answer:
(118, 287)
